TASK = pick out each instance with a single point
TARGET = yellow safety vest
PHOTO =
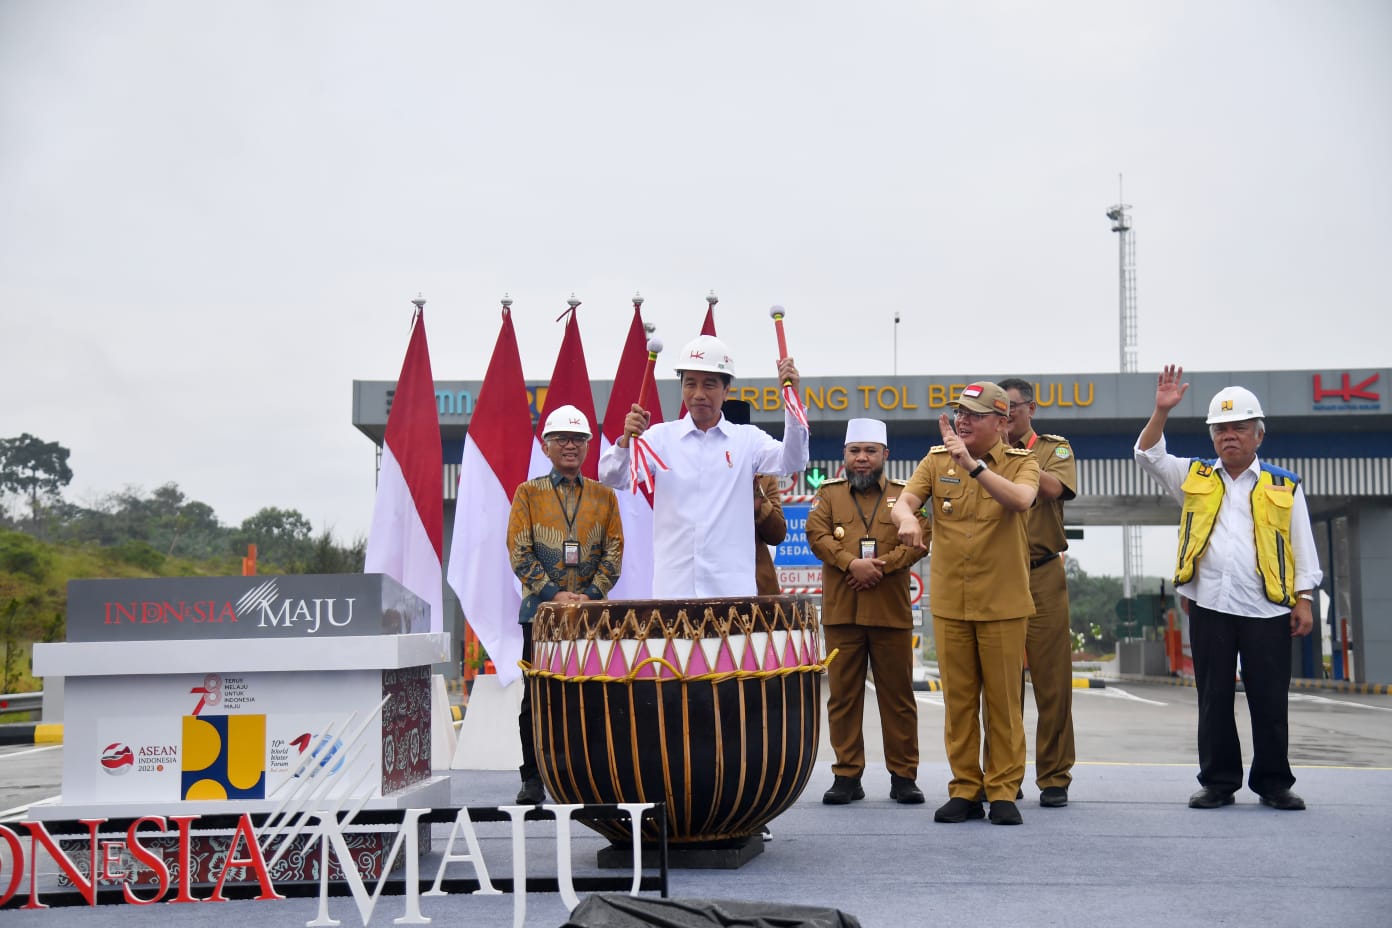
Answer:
(1272, 499)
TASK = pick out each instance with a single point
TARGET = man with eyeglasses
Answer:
(565, 542)
(978, 490)
(1049, 635)
(1248, 565)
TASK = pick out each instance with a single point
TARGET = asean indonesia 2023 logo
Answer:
(117, 759)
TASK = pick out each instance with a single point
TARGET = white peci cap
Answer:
(858, 430)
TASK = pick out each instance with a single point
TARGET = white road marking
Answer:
(49, 747)
(1311, 697)
(1115, 692)
(8, 814)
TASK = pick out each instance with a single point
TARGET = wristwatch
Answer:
(976, 471)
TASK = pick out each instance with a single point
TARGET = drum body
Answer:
(712, 707)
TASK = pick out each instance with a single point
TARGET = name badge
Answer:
(571, 554)
(867, 547)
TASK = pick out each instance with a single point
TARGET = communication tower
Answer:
(1127, 331)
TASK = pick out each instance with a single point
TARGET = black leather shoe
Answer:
(1053, 797)
(957, 810)
(1005, 812)
(902, 789)
(532, 792)
(843, 790)
(1284, 800)
(1210, 798)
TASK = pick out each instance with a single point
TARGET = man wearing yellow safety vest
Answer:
(1247, 563)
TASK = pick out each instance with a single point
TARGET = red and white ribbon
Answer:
(790, 397)
(642, 458)
(641, 463)
(794, 404)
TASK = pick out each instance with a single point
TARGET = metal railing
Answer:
(23, 702)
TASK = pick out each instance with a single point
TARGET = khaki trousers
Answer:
(1049, 645)
(889, 653)
(981, 664)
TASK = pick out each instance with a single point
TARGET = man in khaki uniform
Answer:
(770, 528)
(978, 491)
(1049, 637)
(866, 615)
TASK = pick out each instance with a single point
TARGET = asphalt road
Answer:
(1123, 723)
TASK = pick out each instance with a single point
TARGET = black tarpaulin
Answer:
(619, 911)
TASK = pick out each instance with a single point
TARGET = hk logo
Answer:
(1348, 391)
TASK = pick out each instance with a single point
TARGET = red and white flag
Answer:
(496, 451)
(707, 328)
(570, 386)
(408, 516)
(635, 509)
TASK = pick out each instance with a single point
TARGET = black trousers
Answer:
(524, 716)
(1216, 639)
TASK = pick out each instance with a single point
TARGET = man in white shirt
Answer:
(703, 525)
(1248, 565)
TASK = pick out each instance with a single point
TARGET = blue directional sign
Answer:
(794, 551)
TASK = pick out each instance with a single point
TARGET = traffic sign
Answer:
(793, 550)
(800, 578)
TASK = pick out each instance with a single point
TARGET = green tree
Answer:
(329, 558)
(283, 537)
(166, 520)
(32, 467)
(1092, 605)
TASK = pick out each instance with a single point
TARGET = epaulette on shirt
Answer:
(937, 449)
(833, 481)
(1018, 451)
(898, 483)
(1057, 438)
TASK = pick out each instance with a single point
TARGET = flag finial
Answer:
(571, 303)
(637, 299)
(419, 300)
(507, 301)
(649, 327)
(712, 299)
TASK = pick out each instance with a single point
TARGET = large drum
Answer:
(711, 707)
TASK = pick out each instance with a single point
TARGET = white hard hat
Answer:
(706, 353)
(1233, 404)
(566, 420)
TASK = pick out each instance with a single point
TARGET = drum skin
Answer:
(711, 707)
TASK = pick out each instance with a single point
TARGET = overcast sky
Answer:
(213, 216)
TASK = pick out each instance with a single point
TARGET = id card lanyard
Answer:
(868, 546)
(570, 553)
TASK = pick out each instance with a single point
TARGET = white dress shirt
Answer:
(1226, 578)
(703, 506)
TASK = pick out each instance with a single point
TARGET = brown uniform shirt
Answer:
(1045, 522)
(980, 566)
(834, 510)
(770, 528)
